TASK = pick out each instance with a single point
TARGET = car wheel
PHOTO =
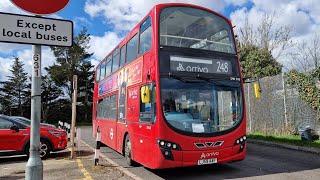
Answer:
(44, 149)
(127, 151)
(27, 149)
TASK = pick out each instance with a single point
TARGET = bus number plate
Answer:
(207, 161)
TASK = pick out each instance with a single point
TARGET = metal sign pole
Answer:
(34, 167)
(74, 113)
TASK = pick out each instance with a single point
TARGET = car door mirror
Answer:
(14, 128)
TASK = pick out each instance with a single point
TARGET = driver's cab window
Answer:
(4, 124)
(147, 103)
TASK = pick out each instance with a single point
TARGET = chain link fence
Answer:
(280, 110)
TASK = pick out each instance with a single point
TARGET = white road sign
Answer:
(16, 28)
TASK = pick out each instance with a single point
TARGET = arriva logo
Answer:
(209, 155)
(192, 68)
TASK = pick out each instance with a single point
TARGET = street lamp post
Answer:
(34, 168)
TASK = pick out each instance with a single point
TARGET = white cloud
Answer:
(5, 64)
(26, 57)
(237, 2)
(24, 52)
(8, 6)
(102, 45)
(80, 22)
(8, 48)
(302, 17)
(124, 14)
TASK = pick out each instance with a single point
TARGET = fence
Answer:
(67, 127)
(280, 110)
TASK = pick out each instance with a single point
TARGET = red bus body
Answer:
(145, 136)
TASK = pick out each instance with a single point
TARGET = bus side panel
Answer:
(121, 131)
(94, 110)
(132, 121)
(146, 131)
(108, 132)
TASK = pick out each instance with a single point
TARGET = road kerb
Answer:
(116, 165)
(286, 146)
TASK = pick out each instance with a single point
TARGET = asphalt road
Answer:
(262, 162)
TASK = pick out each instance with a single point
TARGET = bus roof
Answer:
(157, 7)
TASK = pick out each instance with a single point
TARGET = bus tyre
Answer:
(127, 151)
(27, 149)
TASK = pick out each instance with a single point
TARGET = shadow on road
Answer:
(54, 155)
(260, 161)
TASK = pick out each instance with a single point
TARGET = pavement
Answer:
(262, 162)
(59, 166)
(287, 146)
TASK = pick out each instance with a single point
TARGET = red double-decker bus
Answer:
(170, 94)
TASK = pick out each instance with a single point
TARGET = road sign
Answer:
(41, 7)
(15, 28)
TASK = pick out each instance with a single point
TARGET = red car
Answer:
(15, 137)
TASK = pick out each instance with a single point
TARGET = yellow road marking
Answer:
(83, 170)
(116, 165)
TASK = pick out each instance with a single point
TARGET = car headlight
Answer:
(56, 133)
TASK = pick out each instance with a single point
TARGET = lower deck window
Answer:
(107, 107)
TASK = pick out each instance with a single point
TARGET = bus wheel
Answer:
(127, 151)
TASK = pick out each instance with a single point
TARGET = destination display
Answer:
(199, 65)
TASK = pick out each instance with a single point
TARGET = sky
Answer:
(108, 21)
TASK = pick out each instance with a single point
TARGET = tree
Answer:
(5, 103)
(86, 76)
(306, 85)
(307, 60)
(74, 61)
(266, 35)
(69, 60)
(50, 93)
(15, 90)
(306, 57)
(258, 63)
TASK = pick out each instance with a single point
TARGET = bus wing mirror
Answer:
(145, 94)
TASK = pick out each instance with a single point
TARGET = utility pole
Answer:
(249, 108)
(284, 100)
(74, 113)
(34, 167)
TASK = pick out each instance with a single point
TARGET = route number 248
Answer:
(222, 67)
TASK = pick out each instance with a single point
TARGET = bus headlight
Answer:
(168, 145)
(240, 140)
(174, 146)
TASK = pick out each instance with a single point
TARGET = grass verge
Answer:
(286, 139)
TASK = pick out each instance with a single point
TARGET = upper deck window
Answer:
(102, 70)
(195, 28)
(132, 48)
(145, 36)
(108, 65)
(122, 55)
(116, 56)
